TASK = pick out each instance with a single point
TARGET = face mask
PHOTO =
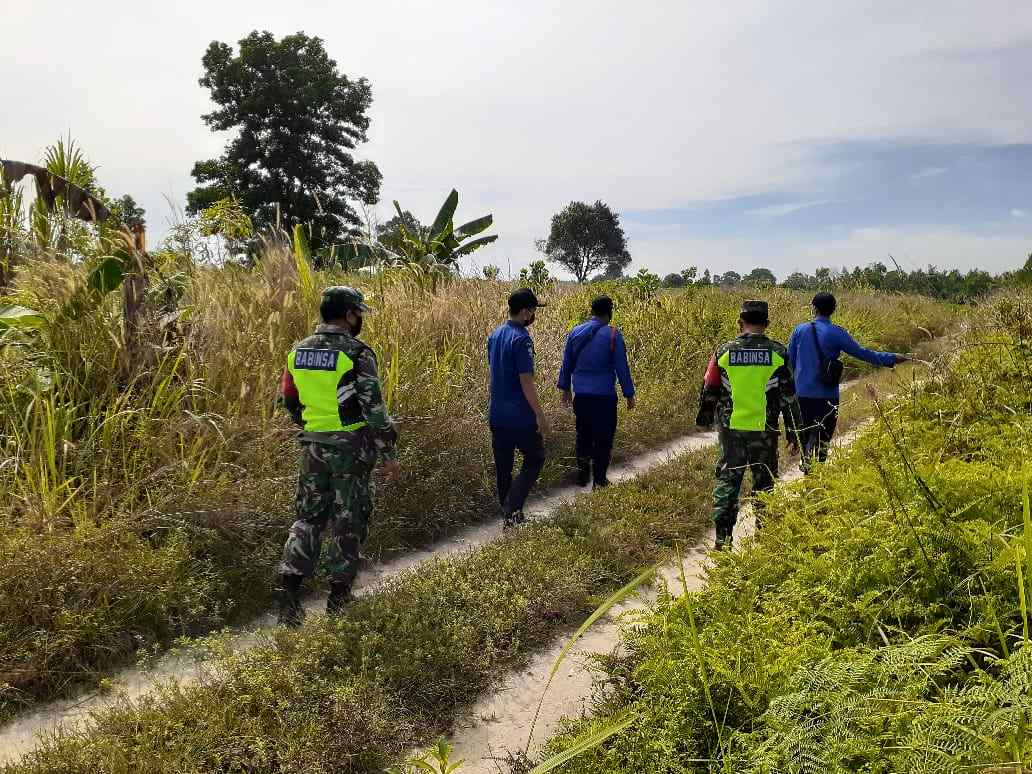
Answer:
(357, 327)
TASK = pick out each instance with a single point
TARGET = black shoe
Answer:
(600, 484)
(291, 612)
(340, 597)
(513, 520)
(724, 539)
(583, 471)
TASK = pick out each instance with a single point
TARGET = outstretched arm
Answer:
(850, 346)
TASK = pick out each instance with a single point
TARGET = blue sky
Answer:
(983, 189)
(784, 133)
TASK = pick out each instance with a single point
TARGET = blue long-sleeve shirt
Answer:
(806, 363)
(598, 366)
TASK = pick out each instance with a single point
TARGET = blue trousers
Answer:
(512, 494)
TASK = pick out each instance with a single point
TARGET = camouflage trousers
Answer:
(742, 450)
(334, 490)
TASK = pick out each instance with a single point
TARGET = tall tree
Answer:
(585, 239)
(297, 121)
(760, 276)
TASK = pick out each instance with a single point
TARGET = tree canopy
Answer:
(296, 121)
(760, 276)
(390, 235)
(587, 239)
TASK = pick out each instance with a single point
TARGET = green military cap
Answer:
(755, 312)
(349, 297)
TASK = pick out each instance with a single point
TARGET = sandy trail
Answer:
(21, 734)
(501, 721)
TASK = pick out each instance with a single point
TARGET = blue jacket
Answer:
(805, 362)
(598, 367)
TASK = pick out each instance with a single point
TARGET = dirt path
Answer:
(20, 735)
(501, 721)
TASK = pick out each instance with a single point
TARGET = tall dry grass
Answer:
(136, 509)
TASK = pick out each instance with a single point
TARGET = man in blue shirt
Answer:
(594, 359)
(516, 419)
(811, 345)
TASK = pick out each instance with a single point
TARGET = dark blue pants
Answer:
(512, 494)
(819, 419)
(596, 428)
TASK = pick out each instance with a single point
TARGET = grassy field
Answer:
(880, 623)
(355, 695)
(137, 507)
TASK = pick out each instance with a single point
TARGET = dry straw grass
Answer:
(134, 510)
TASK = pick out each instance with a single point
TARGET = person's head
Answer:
(824, 304)
(523, 306)
(753, 317)
(602, 308)
(343, 306)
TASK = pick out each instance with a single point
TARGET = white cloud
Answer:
(526, 106)
(779, 210)
(929, 172)
(1018, 213)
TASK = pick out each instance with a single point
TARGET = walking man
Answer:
(594, 359)
(516, 419)
(748, 384)
(332, 391)
(813, 351)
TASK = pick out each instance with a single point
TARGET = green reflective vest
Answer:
(751, 373)
(325, 381)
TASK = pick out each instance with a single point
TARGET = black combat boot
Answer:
(583, 471)
(340, 596)
(513, 520)
(291, 612)
(723, 538)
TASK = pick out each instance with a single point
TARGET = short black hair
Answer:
(825, 304)
(602, 306)
(333, 308)
(521, 299)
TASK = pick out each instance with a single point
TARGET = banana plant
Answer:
(441, 242)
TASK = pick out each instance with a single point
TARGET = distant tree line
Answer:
(952, 285)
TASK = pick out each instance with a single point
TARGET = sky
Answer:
(728, 135)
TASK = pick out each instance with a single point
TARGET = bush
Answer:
(880, 621)
(160, 501)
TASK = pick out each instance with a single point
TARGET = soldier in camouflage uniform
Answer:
(332, 391)
(748, 383)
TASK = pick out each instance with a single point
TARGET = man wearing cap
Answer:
(748, 384)
(516, 419)
(813, 351)
(331, 389)
(594, 359)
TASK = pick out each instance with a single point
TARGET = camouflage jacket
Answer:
(748, 384)
(379, 435)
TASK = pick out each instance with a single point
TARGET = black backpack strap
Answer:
(817, 343)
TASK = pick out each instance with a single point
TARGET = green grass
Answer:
(355, 695)
(135, 509)
(877, 624)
